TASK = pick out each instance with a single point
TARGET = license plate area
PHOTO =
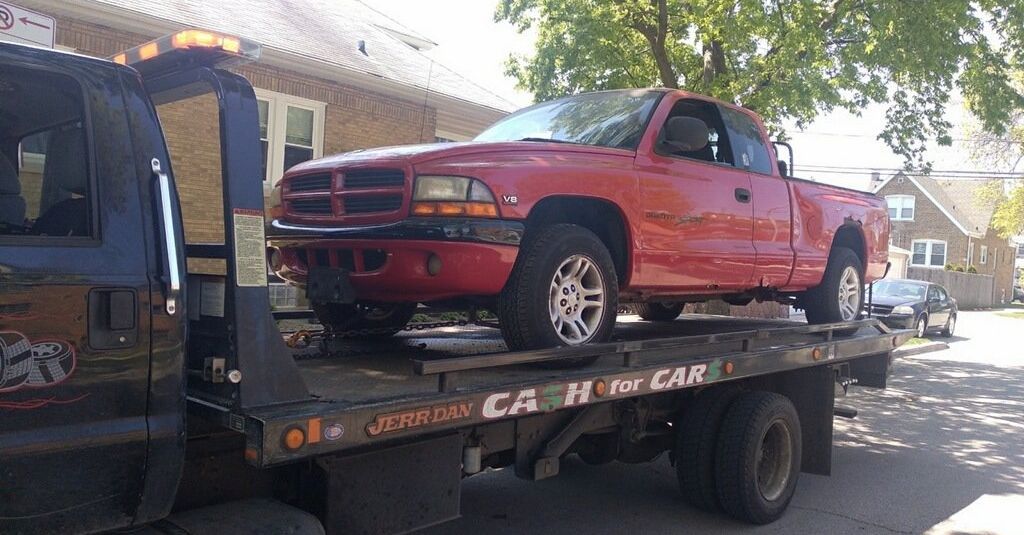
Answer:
(329, 285)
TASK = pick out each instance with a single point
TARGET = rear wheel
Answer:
(696, 444)
(659, 311)
(364, 320)
(840, 295)
(950, 326)
(758, 457)
(563, 291)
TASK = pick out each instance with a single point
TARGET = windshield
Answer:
(907, 290)
(607, 119)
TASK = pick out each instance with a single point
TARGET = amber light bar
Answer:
(220, 47)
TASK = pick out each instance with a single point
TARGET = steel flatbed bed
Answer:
(426, 383)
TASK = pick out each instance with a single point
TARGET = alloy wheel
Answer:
(577, 299)
(849, 294)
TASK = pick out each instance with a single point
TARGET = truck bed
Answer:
(375, 371)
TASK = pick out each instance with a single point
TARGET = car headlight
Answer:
(452, 196)
(903, 310)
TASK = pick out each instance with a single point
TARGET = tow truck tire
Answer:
(823, 302)
(659, 311)
(375, 320)
(546, 261)
(757, 462)
(696, 445)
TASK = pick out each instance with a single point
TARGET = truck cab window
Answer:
(747, 143)
(717, 150)
(44, 168)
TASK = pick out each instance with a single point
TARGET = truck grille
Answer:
(374, 178)
(366, 204)
(312, 206)
(311, 183)
(367, 194)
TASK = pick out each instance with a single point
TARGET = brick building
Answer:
(948, 222)
(335, 75)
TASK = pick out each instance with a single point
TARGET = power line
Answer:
(965, 173)
(869, 136)
(912, 173)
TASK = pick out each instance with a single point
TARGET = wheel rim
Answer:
(922, 326)
(774, 460)
(849, 293)
(577, 299)
(376, 312)
(952, 324)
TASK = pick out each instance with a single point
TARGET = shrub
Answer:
(972, 269)
(958, 268)
(949, 267)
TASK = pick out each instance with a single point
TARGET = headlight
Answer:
(452, 196)
(903, 310)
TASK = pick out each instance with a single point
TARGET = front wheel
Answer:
(562, 292)
(922, 325)
(364, 320)
(840, 295)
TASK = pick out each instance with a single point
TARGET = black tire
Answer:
(523, 311)
(381, 320)
(921, 325)
(659, 311)
(752, 419)
(947, 331)
(821, 303)
(696, 445)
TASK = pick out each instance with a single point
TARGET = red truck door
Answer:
(696, 209)
(773, 222)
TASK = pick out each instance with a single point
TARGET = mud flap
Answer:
(394, 490)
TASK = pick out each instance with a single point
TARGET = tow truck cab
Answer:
(93, 307)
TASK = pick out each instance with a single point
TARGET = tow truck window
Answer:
(44, 166)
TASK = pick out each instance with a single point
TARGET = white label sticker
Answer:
(250, 248)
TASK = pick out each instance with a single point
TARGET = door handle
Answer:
(170, 238)
(112, 318)
(742, 194)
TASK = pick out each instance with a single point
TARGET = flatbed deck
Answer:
(380, 371)
(431, 382)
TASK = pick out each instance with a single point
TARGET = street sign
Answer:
(20, 25)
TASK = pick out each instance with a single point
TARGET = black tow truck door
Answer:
(74, 298)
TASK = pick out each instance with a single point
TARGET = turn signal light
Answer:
(470, 209)
(294, 438)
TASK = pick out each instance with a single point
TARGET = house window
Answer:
(928, 253)
(291, 132)
(984, 254)
(901, 207)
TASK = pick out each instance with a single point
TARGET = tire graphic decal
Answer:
(27, 365)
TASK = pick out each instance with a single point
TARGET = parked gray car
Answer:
(913, 304)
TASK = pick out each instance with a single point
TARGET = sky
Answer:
(471, 43)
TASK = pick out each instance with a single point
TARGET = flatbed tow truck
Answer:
(134, 395)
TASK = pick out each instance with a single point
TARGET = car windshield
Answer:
(607, 119)
(908, 290)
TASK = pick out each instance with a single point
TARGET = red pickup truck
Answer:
(560, 212)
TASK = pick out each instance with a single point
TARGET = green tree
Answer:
(787, 59)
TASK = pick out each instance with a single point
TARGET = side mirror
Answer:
(684, 134)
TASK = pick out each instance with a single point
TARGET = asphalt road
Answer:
(940, 451)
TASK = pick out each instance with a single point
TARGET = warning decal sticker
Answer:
(250, 248)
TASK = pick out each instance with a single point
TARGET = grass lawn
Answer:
(916, 342)
(1016, 314)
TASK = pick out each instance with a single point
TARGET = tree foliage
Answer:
(788, 59)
